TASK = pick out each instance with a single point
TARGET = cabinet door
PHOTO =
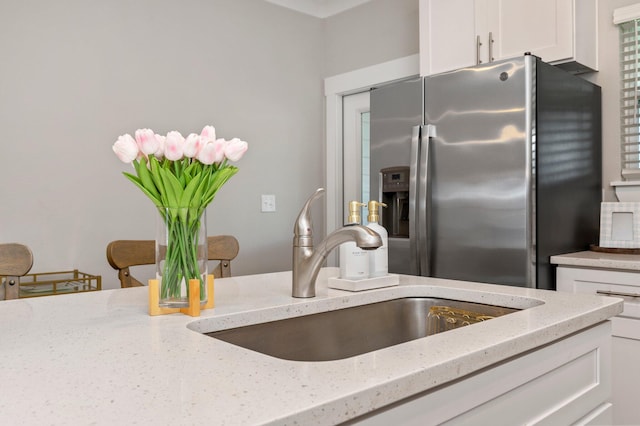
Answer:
(626, 331)
(542, 27)
(567, 382)
(447, 35)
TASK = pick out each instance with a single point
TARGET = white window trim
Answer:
(620, 16)
(626, 14)
(334, 89)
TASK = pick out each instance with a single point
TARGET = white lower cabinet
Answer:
(566, 382)
(626, 332)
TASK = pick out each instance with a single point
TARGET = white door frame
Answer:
(334, 89)
(353, 106)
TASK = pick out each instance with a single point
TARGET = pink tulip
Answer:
(235, 149)
(147, 142)
(126, 148)
(192, 145)
(208, 133)
(162, 140)
(212, 152)
(207, 153)
(174, 146)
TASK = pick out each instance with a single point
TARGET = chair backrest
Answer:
(15, 260)
(122, 254)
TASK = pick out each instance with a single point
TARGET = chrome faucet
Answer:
(307, 262)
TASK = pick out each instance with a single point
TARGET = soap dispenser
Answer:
(354, 261)
(379, 258)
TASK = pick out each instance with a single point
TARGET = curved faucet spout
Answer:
(307, 262)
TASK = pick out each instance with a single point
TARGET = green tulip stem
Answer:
(183, 245)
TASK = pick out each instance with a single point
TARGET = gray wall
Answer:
(76, 74)
(372, 33)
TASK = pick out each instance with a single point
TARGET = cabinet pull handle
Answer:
(617, 293)
(478, 44)
(491, 58)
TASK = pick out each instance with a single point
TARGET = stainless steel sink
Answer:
(353, 331)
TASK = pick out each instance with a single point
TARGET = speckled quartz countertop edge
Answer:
(592, 259)
(133, 365)
(488, 349)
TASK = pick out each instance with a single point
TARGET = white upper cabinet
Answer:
(459, 33)
(447, 35)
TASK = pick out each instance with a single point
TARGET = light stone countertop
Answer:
(99, 358)
(593, 259)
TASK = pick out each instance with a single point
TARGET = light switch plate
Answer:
(268, 204)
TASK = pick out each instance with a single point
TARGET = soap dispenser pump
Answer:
(354, 261)
(379, 258)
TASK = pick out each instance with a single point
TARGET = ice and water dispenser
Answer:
(395, 194)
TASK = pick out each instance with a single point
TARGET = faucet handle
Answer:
(303, 226)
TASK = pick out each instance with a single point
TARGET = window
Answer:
(628, 20)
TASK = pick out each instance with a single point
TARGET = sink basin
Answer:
(357, 330)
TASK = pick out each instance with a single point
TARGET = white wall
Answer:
(75, 74)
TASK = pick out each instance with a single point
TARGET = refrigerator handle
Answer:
(424, 200)
(414, 249)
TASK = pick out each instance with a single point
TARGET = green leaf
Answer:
(193, 169)
(168, 196)
(145, 177)
(178, 172)
(157, 179)
(196, 199)
(219, 178)
(139, 184)
(172, 187)
(185, 200)
(133, 178)
(187, 177)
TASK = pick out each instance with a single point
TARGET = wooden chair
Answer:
(122, 254)
(15, 260)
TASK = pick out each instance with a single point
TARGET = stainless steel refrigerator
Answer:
(487, 171)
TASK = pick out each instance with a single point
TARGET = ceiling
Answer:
(319, 8)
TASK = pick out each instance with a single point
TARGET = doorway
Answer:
(337, 88)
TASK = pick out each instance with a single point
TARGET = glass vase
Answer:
(181, 254)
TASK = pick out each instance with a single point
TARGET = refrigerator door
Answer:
(394, 109)
(478, 182)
